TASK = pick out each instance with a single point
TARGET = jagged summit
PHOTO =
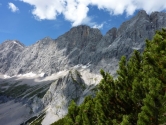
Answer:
(81, 45)
(12, 43)
(142, 13)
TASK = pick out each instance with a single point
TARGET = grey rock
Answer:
(63, 90)
(9, 50)
(130, 36)
(81, 45)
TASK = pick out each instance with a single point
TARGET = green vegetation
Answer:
(39, 91)
(75, 81)
(17, 90)
(38, 120)
(29, 120)
(59, 122)
(14, 90)
(137, 96)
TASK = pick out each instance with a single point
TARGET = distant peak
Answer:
(47, 38)
(142, 13)
(112, 30)
(18, 43)
(82, 27)
(14, 42)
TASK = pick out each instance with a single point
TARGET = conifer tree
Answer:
(72, 113)
(154, 68)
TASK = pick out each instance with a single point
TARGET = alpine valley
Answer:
(38, 82)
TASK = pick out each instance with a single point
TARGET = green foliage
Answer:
(17, 90)
(59, 122)
(38, 120)
(137, 96)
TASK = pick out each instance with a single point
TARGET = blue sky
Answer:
(31, 20)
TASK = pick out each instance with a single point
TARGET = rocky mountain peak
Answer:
(82, 28)
(82, 35)
(142, 13)
(78, 42)
(12, 44)
(9, 50)
(45, 41)
(157, 19)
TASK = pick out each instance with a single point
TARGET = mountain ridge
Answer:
(83, 45)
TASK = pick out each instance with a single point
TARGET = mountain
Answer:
(43, 78)
(81, 45)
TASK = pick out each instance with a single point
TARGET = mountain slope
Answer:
(130, 36)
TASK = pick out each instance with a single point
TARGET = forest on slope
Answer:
(136, 96)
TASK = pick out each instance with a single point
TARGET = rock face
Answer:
(81, 45)
(9, 50)
(130, 36)
(20, 101)
(66, 88)
(26, 97)
(62, 91)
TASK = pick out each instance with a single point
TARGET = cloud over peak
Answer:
(12, 7)
(76, 11)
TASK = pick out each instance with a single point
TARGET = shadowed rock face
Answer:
(81, 45)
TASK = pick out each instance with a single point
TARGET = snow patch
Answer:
(17, 43)
(56, 75)
(82, 66)
(42, 74)
(27, 75)
(6, 76)
(31, 74)
(136, 48)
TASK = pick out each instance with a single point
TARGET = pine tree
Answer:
(154, 68)
(72, 113)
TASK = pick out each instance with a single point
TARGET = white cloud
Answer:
(98, 26)
(12, 7)
(76, 11)
(46, 9)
